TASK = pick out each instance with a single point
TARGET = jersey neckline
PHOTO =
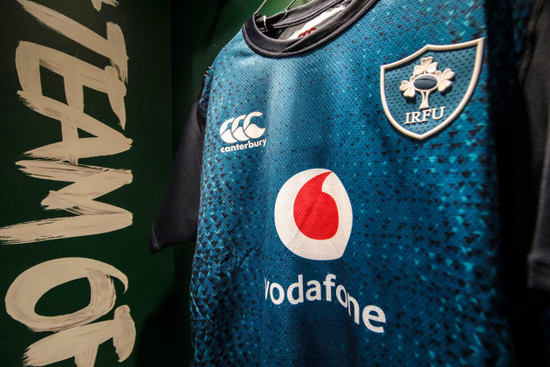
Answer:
(256, 28)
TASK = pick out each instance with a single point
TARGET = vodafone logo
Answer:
(313, 218)
(313, 215)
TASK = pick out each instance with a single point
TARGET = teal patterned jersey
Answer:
(350, 208)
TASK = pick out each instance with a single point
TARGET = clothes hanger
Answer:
(264, 18)
(265, 1)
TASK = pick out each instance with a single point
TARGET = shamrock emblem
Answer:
(425, 79)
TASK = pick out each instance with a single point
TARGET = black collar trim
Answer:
(254, 31)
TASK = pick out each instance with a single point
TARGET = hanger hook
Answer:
(289, 5)
(263, 3)
(257, 11)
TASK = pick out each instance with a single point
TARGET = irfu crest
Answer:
(426, 91)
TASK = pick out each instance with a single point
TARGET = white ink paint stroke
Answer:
(82, 342)
(112, 47)
(59, 161)
(31, 285)
(93, 217)
(29, 57)
(97, 3)
(75, 336)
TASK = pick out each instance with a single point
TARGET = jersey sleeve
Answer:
(537, 97)
(178, 217)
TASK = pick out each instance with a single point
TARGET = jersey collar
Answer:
(257, 30)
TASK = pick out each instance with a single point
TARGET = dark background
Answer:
(170, 45)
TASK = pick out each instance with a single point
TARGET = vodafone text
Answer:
(373, 317)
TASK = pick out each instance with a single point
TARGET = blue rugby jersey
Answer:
(365, 186)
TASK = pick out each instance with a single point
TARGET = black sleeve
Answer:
(537, 97)
(178, 217)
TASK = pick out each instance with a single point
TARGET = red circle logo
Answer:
(313, 215)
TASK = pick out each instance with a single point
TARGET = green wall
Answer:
(76, 216)
(26, 249)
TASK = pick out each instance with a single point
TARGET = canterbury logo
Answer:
(232, 131)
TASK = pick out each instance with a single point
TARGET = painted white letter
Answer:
(93, 217)
(74, 338)
(97, 3)
(112, 47)
(82, 342)
(76, 74)
(31, 285)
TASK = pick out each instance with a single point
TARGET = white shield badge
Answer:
(424, 92)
